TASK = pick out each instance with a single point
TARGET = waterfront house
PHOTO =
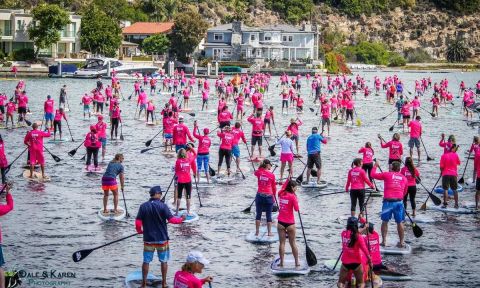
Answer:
(14, 34)
(137, 32)
(236, 41)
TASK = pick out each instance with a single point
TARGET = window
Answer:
(252, 37)
(290, 38)
(287, 38)
(267, 37)
(284, 38)
(218, 36)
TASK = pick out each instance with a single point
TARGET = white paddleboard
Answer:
(134, 280)
(422, 218)
(451, 209)
(150, 123)
(394, 250)
(220, 179)
(91, 169)
(110, 216)
(192, 217)
(183, 204)
(313, 184)
(37, 176)
(263, 237)
(58, 140)
(288, 268)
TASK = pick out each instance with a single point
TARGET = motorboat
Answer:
(95, 67)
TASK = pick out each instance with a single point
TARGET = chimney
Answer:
(306, 26)
(237, 26)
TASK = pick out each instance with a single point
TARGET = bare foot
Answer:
(270, 234)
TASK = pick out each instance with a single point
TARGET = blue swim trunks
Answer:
(48, 116)
(236, 151)
(393, 208)
(162, 248)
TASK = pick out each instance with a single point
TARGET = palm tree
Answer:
(457, 51)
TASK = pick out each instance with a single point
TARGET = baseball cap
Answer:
(155, 190)
(197, 256)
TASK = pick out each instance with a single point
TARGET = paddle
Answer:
(83, 157)
(430, 194)
(149, 142)
(358, 121)
(393, 126)
(198, 194)
(275, 127)
(11, 163)
(121, 132)
(56, 158)
(313, 172)
(211, 171)
(368, 238)
(70, 131)
(385, 117)
(125, 204)
(311, 258)
(271, 148)
(338, 259)
(325, 194)
(299, 179)
(148, 149)
(74, 151)
(82, 254)
(426, 152)
(168, 188)
(462, 180)
(417, 231)
(431, 113)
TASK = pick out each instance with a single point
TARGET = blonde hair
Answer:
(182, 153)
(117, 157)
(188, 267)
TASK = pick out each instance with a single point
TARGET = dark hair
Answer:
(396, 166)
(265, 163)
(353, 235)
(410, 166)
(357, 162)
(290, 185)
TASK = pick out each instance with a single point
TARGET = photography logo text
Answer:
(47, 278)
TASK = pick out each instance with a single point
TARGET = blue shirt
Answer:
(113, 169)
(314, 143)
(154, 215)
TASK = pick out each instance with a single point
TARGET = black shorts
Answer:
(22, 110)
(2, 109)
(294, 137)
(187, 187)
(266, 121)
(314, 159)
(477, 185)
(257, 140)
(449, 181)
(357, 194)
(285, 225)
(406, 116)
(223, 124)
(351, 266)
(284, 103)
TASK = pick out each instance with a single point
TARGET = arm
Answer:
(175, 220)
(4, 209)
(375, 175)
(348, 182)
(122, 180)
(243, 138)
(190, 135)
(138, 226)
(366, 180)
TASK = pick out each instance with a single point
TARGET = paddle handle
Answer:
(70, 131)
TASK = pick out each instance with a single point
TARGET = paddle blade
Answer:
(311, 109)
(314, 173)
(148, 143)
(191, 114)
(461, 181)
(417, 231)
(275, 208)
(359, 122)
(72, 152)
(272, 151)
(7, 169)
(429, 158)
(56, 158)
(391, 128)
(121, 137)
(83, 158)
(80, 255)
(335, 118)
(145, 150)
(299, 179)
(424, 206)
(28, 122)
(311, 258)
(211, 171)
(247, 210)
(435, 199)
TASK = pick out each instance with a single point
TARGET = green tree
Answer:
(463, 6)
(99, 33)
(47, 21)
(161, 10)
(457, 51)
(119, 10)
(156, 44)
(189, 30)
(331, 63)
(293, 11)
(396, 60)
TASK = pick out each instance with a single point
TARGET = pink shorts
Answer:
(286, 157)
(36, 157)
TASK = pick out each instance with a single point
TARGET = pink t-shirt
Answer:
(266, 181)
(374, 248)
(204, 143)
(238, 133)
(325, 111)
(367, 155)
(225, 116)
(182, 170)
(415, 129)
(410, 179)
(352, 255)
(449, 163)
(395, 149)
(395, 184)
(356, 179)
(35, 139)
(22, 101)
(180, 134)
(101, 129)
(257, 125)
(226, 140)
(49, 106)
(288, 203)
(185, 279)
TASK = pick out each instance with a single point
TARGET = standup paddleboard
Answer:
(150, 123)
(183, 204)
(262, 237)
(58, 140)
(314, 184)
(134, 280)
(421, 218)
(384, 274)
(289, 268)
(91, 169)
(439, 190)
(37, 176)
(394, 250)
(453, 210)
(110, 216)
(192, 217)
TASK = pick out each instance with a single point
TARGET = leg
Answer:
(164, 267)
(145, 268)
(95, 157)
(281, 246)
(282, 168)
(115, 200)
(105, 201)
(291, 230)
(42, 167)
(384, 233)
(401, 233)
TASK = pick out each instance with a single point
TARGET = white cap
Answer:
(196, 256)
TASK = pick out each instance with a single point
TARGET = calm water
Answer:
(51, 221)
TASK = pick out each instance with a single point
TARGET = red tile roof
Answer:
(147, 28)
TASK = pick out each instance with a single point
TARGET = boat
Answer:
(95, 67)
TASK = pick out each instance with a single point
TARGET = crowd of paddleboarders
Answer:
(245, 115)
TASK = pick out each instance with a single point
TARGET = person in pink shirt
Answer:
(240, 102)
(285, 97)
(92, 144)
(356, 180)
(447, 145)
(412, 174)
(395, 188)
(203, 156)
(415, 106)
(57, 122)
(238, 133)
(3, 161)
(22, 106)
(267, 119)
(5, 209)
(150, 110)
(266, 195)
(352, 248)
(180, 134)
(142, 101)
(48, 107)
(224, 117)
(435, 103)
(415, 135)
(293, 127)
(226, 142)
(136, 87)
(115, 120)
(372, 240)
(204, 100)
(449, 163)
(101, 128)
(194, 264)
(11, 107)
(86, 101)
(350, 106)
(173, 102)
(221, 103)
(186, 97)
(34, 142)
(183, 165)
(288, 203)
(257, 133)
(367, 158)
(395, 148)
(475, 148)
(100, 102)
(168, 123)
(325, 112)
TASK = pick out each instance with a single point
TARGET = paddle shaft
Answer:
(385, 117)
(424, 148)
(150, 141)
(430, 193)
(368, 238)
(11, 163)
(168, 188)
(466, 164)
(77, 148)
(198, 193)
(338, 259)
(69, 131)
(113, 242)
(54, 156)
(125, 204)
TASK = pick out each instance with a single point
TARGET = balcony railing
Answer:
(7, 32)
(67, 33)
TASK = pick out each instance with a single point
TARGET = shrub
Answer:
(331, 63)
(367, 52)
(457, 51)
(396, 60)
(24, 54)
(417, 55)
